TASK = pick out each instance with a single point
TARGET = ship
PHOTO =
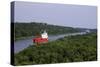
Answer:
(43, 38)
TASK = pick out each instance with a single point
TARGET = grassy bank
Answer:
(68, 49)
(22, 29)
(22, 38)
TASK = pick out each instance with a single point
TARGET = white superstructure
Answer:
(44, 35)
(88, 31)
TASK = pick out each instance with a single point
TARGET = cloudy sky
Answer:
(57, 14)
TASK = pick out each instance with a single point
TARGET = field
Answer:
(68, 49)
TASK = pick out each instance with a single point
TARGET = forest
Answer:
(68, 49)
(22, 29)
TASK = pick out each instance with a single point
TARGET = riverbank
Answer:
(24, 43)
(68, 49)
(22, 38)
(22, 29)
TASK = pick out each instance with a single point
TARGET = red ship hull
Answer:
(40, 40)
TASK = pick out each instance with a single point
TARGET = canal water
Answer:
(22, 44)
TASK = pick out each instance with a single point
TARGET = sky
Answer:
(81, 16)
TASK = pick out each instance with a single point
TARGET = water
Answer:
(22, 44)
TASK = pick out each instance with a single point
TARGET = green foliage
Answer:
(68, 49)
(31, 29)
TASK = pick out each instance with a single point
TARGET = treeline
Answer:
(68, 49)
(33, 28)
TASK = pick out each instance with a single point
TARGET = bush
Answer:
(68, 49)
